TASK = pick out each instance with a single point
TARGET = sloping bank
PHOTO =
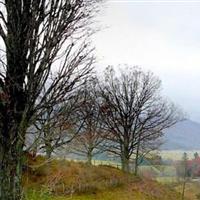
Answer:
(62, 180)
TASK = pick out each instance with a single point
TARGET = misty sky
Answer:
(161, 36)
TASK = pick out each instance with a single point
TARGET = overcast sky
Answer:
(161, 36)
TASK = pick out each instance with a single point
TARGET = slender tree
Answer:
(134, 111)
(90, 139)
(143, 149)
(45, 46)
(184, 165)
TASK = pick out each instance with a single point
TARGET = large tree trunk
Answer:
(13, 110)
(13, 125)
(125, 163)
(11, 160)
(125, 158)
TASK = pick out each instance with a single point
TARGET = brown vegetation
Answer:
(64, 178)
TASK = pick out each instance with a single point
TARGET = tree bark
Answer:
(11, 161)
(48, 150)
(137, 157)
(125, 164)
(13, 115)
(125, 159)
(13, 126)
(89, 157)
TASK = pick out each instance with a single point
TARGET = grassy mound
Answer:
(62, 180)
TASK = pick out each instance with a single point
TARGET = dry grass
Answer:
(68, 177)
(191, 190)
(62, 180)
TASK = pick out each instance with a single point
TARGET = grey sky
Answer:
(161, 36)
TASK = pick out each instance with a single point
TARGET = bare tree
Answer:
(184, 165)
(90, 139)
(45, 45)
(57, 126)
(134, 111)
(88, 144)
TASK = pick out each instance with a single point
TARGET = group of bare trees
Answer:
(46, 91)
(122, 113)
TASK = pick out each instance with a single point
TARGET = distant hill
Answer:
(184, 135)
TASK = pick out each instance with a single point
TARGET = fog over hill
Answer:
(184, 135)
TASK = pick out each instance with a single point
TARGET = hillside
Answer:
(184, 135)
(62, 180)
